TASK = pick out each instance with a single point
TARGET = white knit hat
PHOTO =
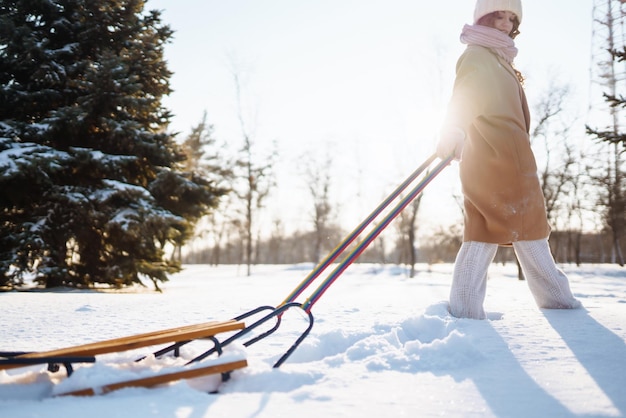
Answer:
(484, 7)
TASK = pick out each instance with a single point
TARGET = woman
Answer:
(486, 128)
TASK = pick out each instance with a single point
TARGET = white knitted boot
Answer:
(469, 281)
(546, 281)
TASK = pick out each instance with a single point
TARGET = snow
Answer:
(382, 344)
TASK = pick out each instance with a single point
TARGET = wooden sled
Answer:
(174, 338)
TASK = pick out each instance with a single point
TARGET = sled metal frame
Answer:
(14, 358)
(276, 313)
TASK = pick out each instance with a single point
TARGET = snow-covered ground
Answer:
(382, 345)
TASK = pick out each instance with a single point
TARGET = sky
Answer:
(365, 82)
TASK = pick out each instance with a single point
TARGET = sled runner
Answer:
(160, 379)
(174, 338)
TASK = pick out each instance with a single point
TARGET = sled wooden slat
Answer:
(167, 336)
(160, 379)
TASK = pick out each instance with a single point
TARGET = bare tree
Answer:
(254, 177)
(612, 201)
(275, 243)
(317, 175)
(407, 228)
(443, 244)
(552, 131)
(575, 206)
(218, 228)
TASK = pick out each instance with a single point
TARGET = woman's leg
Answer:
(546, 281)
(469, 281)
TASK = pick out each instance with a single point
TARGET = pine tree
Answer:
(616, 101)
(91, 185)
(204, 155)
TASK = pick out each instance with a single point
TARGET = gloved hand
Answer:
(451, 140)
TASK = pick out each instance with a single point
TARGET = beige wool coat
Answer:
(502, 195)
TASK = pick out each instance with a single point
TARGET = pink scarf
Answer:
(491, 38)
